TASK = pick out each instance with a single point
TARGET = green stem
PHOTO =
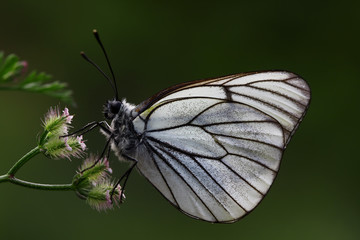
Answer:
(40, 186)
(22, 161)
(4, 178)
(59, 187)
(43, 137)
(9, 177)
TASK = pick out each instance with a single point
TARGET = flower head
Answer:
(104, 195)
(94, 169)
(56, 123)
(66, 147)
(92, 182)
(51, 141)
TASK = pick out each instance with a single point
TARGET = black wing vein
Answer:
(161, 174)
(268, 104)
(190, 187)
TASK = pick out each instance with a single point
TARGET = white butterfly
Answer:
(213, 147)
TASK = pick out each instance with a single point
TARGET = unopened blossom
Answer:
(57, 124)
(104, 195)
(92, 182)
(66, 114)
(81, 142)
(53, 143)
(94, 168)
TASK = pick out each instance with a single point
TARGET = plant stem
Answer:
(43, 137)
(40, 186)
(4, 178)
(9, 177)
(22, 161)
(59, 187)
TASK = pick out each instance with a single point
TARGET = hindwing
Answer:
(213, 147)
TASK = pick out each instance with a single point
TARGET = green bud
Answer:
(52, 144)
(93, 184)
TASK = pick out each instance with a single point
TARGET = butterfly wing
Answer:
(213, 147)
(283, 95)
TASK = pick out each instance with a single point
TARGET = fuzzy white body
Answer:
(124, 138)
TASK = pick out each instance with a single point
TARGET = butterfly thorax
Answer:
(122, 128)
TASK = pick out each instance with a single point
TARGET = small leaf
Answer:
(29, 78)
(11, 69)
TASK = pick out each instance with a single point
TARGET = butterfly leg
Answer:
(90, 126)
(126, 176)
(107, 147)
(104, 126)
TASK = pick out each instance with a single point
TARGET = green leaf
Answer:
(10, 68)
(12, 77)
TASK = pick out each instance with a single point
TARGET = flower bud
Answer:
(52, 144)
(92, 182)
(99, 197)
(93, 169)
(67, 147)
(56, 124)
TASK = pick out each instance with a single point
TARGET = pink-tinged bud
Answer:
(108, 197)
(99, 196)
(93, 182)
(66, 114)
(56, 124)
(81, 142)
(106, 162)
(120, 196)
(95, 169)
(25, 67)
(51, 141)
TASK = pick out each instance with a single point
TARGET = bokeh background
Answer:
(156, 44)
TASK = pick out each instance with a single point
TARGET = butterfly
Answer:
(212, 147)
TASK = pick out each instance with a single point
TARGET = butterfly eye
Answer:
(115, 107)
(111, 108)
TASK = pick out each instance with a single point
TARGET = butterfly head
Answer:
(111, 108)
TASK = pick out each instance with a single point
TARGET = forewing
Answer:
(211, 158)
(282, 95)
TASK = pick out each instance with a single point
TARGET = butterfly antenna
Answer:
(96, 34)
(101, 71)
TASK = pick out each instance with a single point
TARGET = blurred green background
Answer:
(156, 44)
